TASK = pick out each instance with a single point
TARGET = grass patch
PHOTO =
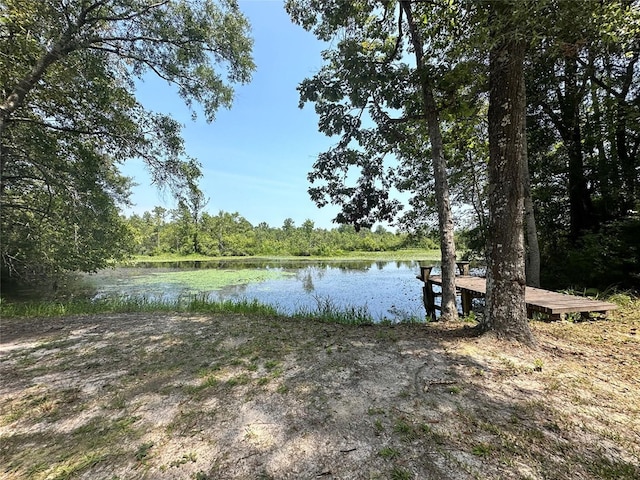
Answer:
(389, 453)
(326, 310)
(399, 473)
(482, 450)
(409, 431)
(186, 458)
(143, 451)
(607, 469)
(65, 456)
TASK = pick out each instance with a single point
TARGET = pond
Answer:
(387, 289)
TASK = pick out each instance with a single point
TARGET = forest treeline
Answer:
(178, 231)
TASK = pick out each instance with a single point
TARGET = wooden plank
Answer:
(537, 299)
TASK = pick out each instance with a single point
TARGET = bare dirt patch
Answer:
(164, 396)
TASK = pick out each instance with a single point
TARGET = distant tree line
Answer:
(179, 231)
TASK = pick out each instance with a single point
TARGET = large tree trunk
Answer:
(449, 309)
(506, 308)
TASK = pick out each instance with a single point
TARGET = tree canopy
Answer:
(579, 63)
(69, 117)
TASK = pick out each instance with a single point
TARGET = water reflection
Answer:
(387, 289)
(307, 281)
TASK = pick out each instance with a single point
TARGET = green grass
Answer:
(398, 473)
(389, 453)
(192, 304)
(143, 451)
(325, 310)
(76, 451)
(608, 469)
(482, 450)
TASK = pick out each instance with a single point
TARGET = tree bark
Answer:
(607, 173)
(532, 264)
(506, 308)
(532, 260)
(581, 208)
(449, 309)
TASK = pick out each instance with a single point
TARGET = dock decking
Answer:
(555, 305)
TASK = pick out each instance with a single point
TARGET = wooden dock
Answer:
(555, 305)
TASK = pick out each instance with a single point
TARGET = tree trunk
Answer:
(532, 261)
(607, 173)
(449, 309)
(532, 265)
(581, 208)
(627, 159)
(506, 308)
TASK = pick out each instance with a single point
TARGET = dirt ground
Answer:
(178, 396)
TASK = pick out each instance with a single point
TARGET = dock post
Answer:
(427, 291)
(463, 267)
(465, 297)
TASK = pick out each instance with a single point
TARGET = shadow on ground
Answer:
(201, 397)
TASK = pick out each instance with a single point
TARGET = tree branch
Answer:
(599, 81)
(400, 35)
(117, 18)
(554, 117)
(61, 128)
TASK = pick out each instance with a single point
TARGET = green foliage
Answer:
(69, 117)
(230, 234)
(608, 257)
(609, 469)
(369, 94)
(327, 311)
(482, 450)
(143, 451)
(583, 127)
(473, 242)
(399, 473)
(583, 133)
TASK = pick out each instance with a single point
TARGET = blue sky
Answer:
(256, 156)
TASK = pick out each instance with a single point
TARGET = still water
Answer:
(387, 289)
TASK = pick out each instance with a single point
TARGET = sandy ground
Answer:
(177, 396)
